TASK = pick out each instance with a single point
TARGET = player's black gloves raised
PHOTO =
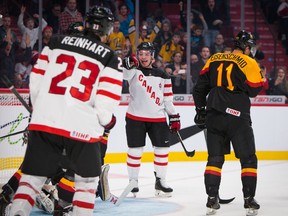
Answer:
(200, 118)
(130, 62)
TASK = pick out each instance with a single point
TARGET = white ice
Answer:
(189, 197)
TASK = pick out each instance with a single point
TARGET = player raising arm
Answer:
(230, 80)
(151, 98)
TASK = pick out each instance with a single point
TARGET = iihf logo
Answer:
(160, 86)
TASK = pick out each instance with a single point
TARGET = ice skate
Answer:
(103, 187)
(62, 211)
(212, 205)
(5, 199)
(161, 188)
(251, 206)
(135, 190)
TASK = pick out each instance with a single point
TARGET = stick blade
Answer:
(191, 154)
(225, 201)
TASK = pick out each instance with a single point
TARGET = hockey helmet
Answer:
(76, 28)
(99, 21)
(245, 39)
(146, 46)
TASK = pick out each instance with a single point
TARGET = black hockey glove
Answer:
(200, 117)
(130, 62)
(174, 123)
(111, 124)
(25, 136)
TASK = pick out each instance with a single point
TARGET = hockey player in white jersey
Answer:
(74, 87)
(151, 99)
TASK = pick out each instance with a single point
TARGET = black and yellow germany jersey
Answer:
(229, 79)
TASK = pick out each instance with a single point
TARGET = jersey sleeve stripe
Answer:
(255, 85)
(38, 71)
(110, 80)
(168, 94)
(168, 86)
(109, 94)
(44, 57)
(203, 71)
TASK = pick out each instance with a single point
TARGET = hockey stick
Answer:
(184, 133)
(12, 134)
(126, 191)
(221, 201)
(9, 85)
(189, 154)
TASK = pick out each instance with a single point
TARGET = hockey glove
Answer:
(174, 123)
(200, 118)
(130, 62)
(111, 124)
(25, 136)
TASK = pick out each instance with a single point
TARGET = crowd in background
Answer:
(19, 44)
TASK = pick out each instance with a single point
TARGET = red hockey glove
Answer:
(111, 124)
(174, 123)
(200, 117)
(130, 62)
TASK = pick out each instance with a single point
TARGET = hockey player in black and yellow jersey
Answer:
(229, 80)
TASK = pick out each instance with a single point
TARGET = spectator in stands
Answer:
(144, 36)
(279, 84)
(52, 17)
(178, 77)
(227, 49)
(9, 58)
(193, 58)
(69, 15)
(266, 80)
(169, 48)
(212, 16)
(195, 16)
(164, 35)
(29, 27)
(205, 53)
(116, 39)
(23, 70)
(125, 15)
(282, 11)
(7, 36)
(197, 39)
(218, 45)
(47, 34)
(183, 44)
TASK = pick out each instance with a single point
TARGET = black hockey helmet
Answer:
(146, 46)
(244, 39)
(76, 28)
(99, 20)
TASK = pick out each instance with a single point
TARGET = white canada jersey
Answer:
(75, 86)
(151, 95)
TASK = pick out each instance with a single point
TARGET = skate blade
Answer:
(134, 194)
(159, 193)
(211, 211)
(251, 212)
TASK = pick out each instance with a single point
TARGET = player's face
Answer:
(145, 58)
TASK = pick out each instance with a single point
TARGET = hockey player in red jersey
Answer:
(151, 99)
(74, 87)
(229, 80)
